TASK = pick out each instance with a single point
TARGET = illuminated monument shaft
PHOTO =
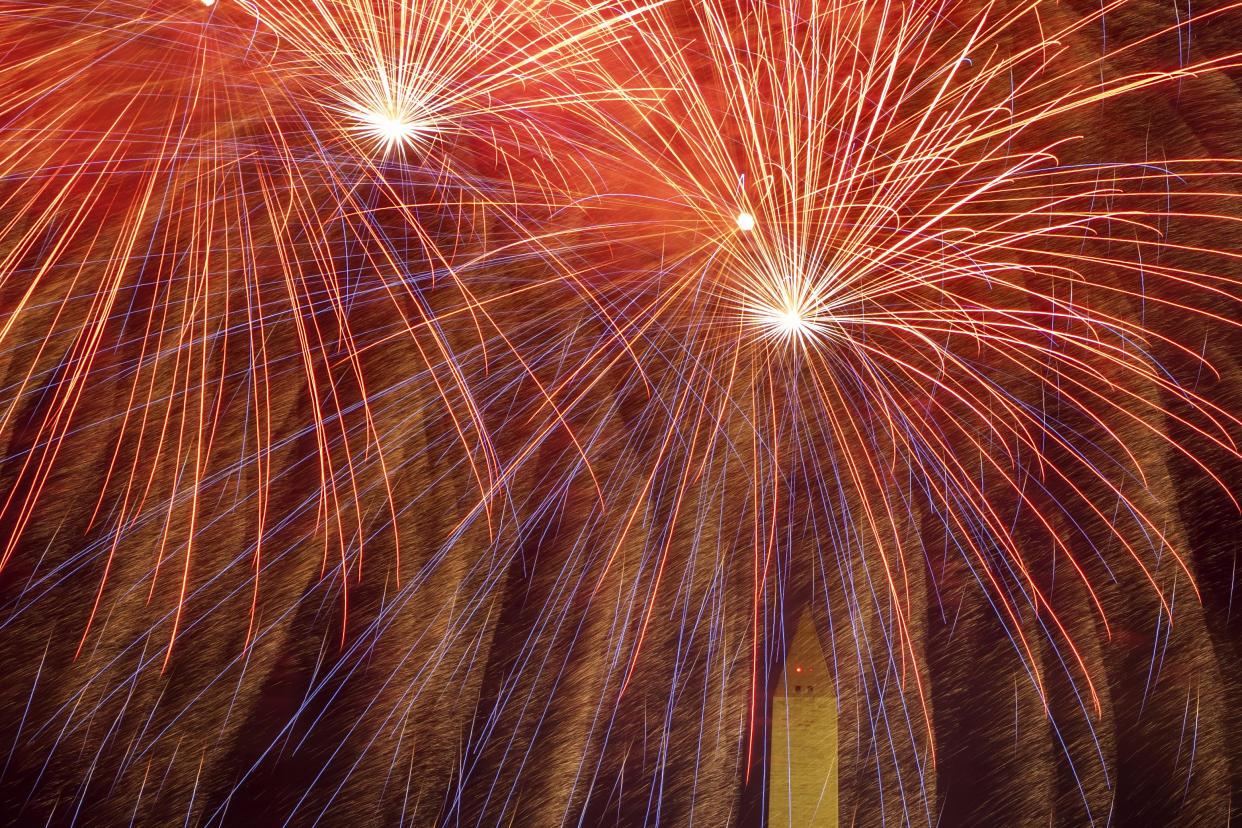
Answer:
(803, 760)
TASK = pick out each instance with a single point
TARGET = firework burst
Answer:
(617, 333)
(887, 287)
(183, 183)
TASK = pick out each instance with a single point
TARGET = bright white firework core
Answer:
(745, 222)
(391, 129)
(390, 124)
(788, 322)
(790, 313)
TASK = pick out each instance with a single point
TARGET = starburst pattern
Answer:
(611, 335)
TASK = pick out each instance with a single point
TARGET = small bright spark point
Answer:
(745, 222)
